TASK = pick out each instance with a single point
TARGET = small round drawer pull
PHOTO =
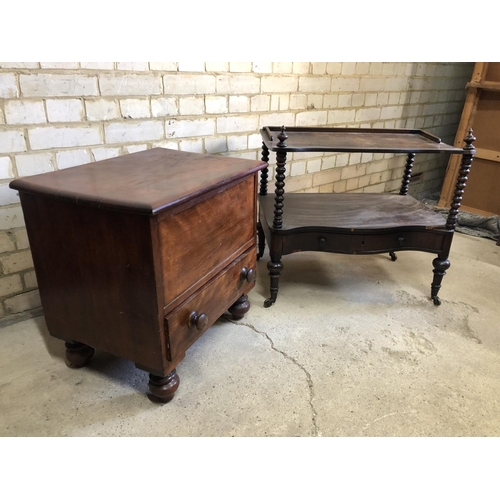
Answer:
(200, 321)
(248, 274)
(401, 241)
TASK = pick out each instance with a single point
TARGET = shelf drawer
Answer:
(349, 243)
(211, 301)
(197, 243)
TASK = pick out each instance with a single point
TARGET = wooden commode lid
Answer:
(146, 182)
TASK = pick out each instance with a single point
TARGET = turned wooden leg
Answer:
(393, 256)
(275, 268)
(261, 240)
(440, 267)
(163, 388)
(240, 307)
(78, 354)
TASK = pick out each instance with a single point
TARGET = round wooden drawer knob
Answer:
(200, 321)
(248, 274)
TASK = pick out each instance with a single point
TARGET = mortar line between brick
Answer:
(310, 384)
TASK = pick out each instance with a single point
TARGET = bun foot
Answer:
(78, 354)
(437, 301)
(393, 256)
(269, 302)
(163, 388)
(240, 307)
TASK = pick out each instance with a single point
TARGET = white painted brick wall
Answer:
(58, 115)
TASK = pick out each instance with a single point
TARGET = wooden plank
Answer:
(483, 186)
(495, 86)
(493, 72)
(488, 154)
(466, 122)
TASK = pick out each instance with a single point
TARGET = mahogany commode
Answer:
(354, 223)
(139, 255)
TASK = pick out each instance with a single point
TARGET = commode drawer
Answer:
(188, 321)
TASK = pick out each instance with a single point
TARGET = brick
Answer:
(237, 142)
(238, 84)
(49, 85)
(314, 84)
(333, 68)
(124, 85)
(351, 184)
(188, 84)
(311, 118)
(367, 114)
(262, 67)
(136, 148)
(326, 177)
(8, 196)
(16, 262)
(348, 68)
(345, 84)
(11, 217)
(133, 132)
(372, 84)
(166, 144)
(358, 100)
(64, 137)
(352, 171)
(6, 171)
(163, 66)
(325, 188)
(189, 128)
(191, 105)
(280, 102)
(282, 67)
(298, 101)
(59, 65)
(331, 101)
(102, 110)
(8, 86)
(21, 238)
(164, 106)
(260, 103)
(362, 68)
(30, 280)
(10, 285)
(217, 67)
(132, 66)
(24, 112)
(12, 141)
(375, 68)
(67, 159)
(19, 65)
(318, 68)
(229, 124)
(297, 183)
(239, 104)
(191, 145)
(301, 68)
(216, 145)
(33, 164)
(297, 168)
(313, 166)
(64, 110)
(135, 108)
(105, 153)
(399, 83)
(6, 244)
(97, 65)
(370, 100)
(279, 84)
(338, 116)
(195, 67)
(254, 141)
(23, 302)
(216, 104)
(240, 67)
(287, 119)
(390, 112)
(314, 101)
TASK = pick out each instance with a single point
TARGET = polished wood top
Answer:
(355, 139)
(352, 211)
(144, 182)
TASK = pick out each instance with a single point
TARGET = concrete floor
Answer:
(353, 347)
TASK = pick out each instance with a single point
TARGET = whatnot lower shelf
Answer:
(351, 212)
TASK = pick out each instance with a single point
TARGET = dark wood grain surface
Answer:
(144, 182)
(356, 139)
(351, 211)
